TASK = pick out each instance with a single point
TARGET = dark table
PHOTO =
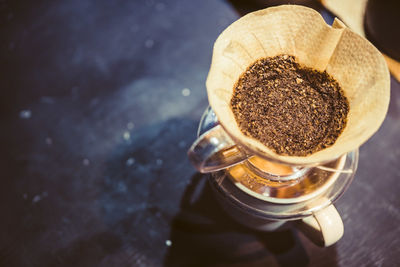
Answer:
(100, 101)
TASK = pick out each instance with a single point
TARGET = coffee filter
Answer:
(295, 30)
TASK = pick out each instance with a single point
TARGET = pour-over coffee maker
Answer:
(256, 186)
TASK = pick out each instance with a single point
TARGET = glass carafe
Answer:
(264, 194)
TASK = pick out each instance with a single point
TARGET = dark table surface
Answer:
(100, 101)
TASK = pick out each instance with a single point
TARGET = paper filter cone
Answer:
(354, 62)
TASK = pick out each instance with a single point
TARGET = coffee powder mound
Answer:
(293, 110)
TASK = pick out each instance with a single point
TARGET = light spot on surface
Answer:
(182, 144)
(159, 162)
(186, 92)
(149, 43)
(129, 210)
(127, 136)
(122, 187)
(49, 141)
(130, 125)
(47, 100)
(36, 198)
(86, 162)
(168, 243)
(130, 161)
(25, 114)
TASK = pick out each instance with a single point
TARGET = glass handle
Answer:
(324, 227)
(214, 150)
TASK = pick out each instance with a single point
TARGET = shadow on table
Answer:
(379, 18)
(203, 235)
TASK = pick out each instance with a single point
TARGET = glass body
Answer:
(286, 192)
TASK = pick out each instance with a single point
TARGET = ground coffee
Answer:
(291, 109)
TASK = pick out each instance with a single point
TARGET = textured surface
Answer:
(99, 103)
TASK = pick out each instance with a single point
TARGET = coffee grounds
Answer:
(293, 110)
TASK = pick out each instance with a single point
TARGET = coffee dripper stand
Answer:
(266, 195)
